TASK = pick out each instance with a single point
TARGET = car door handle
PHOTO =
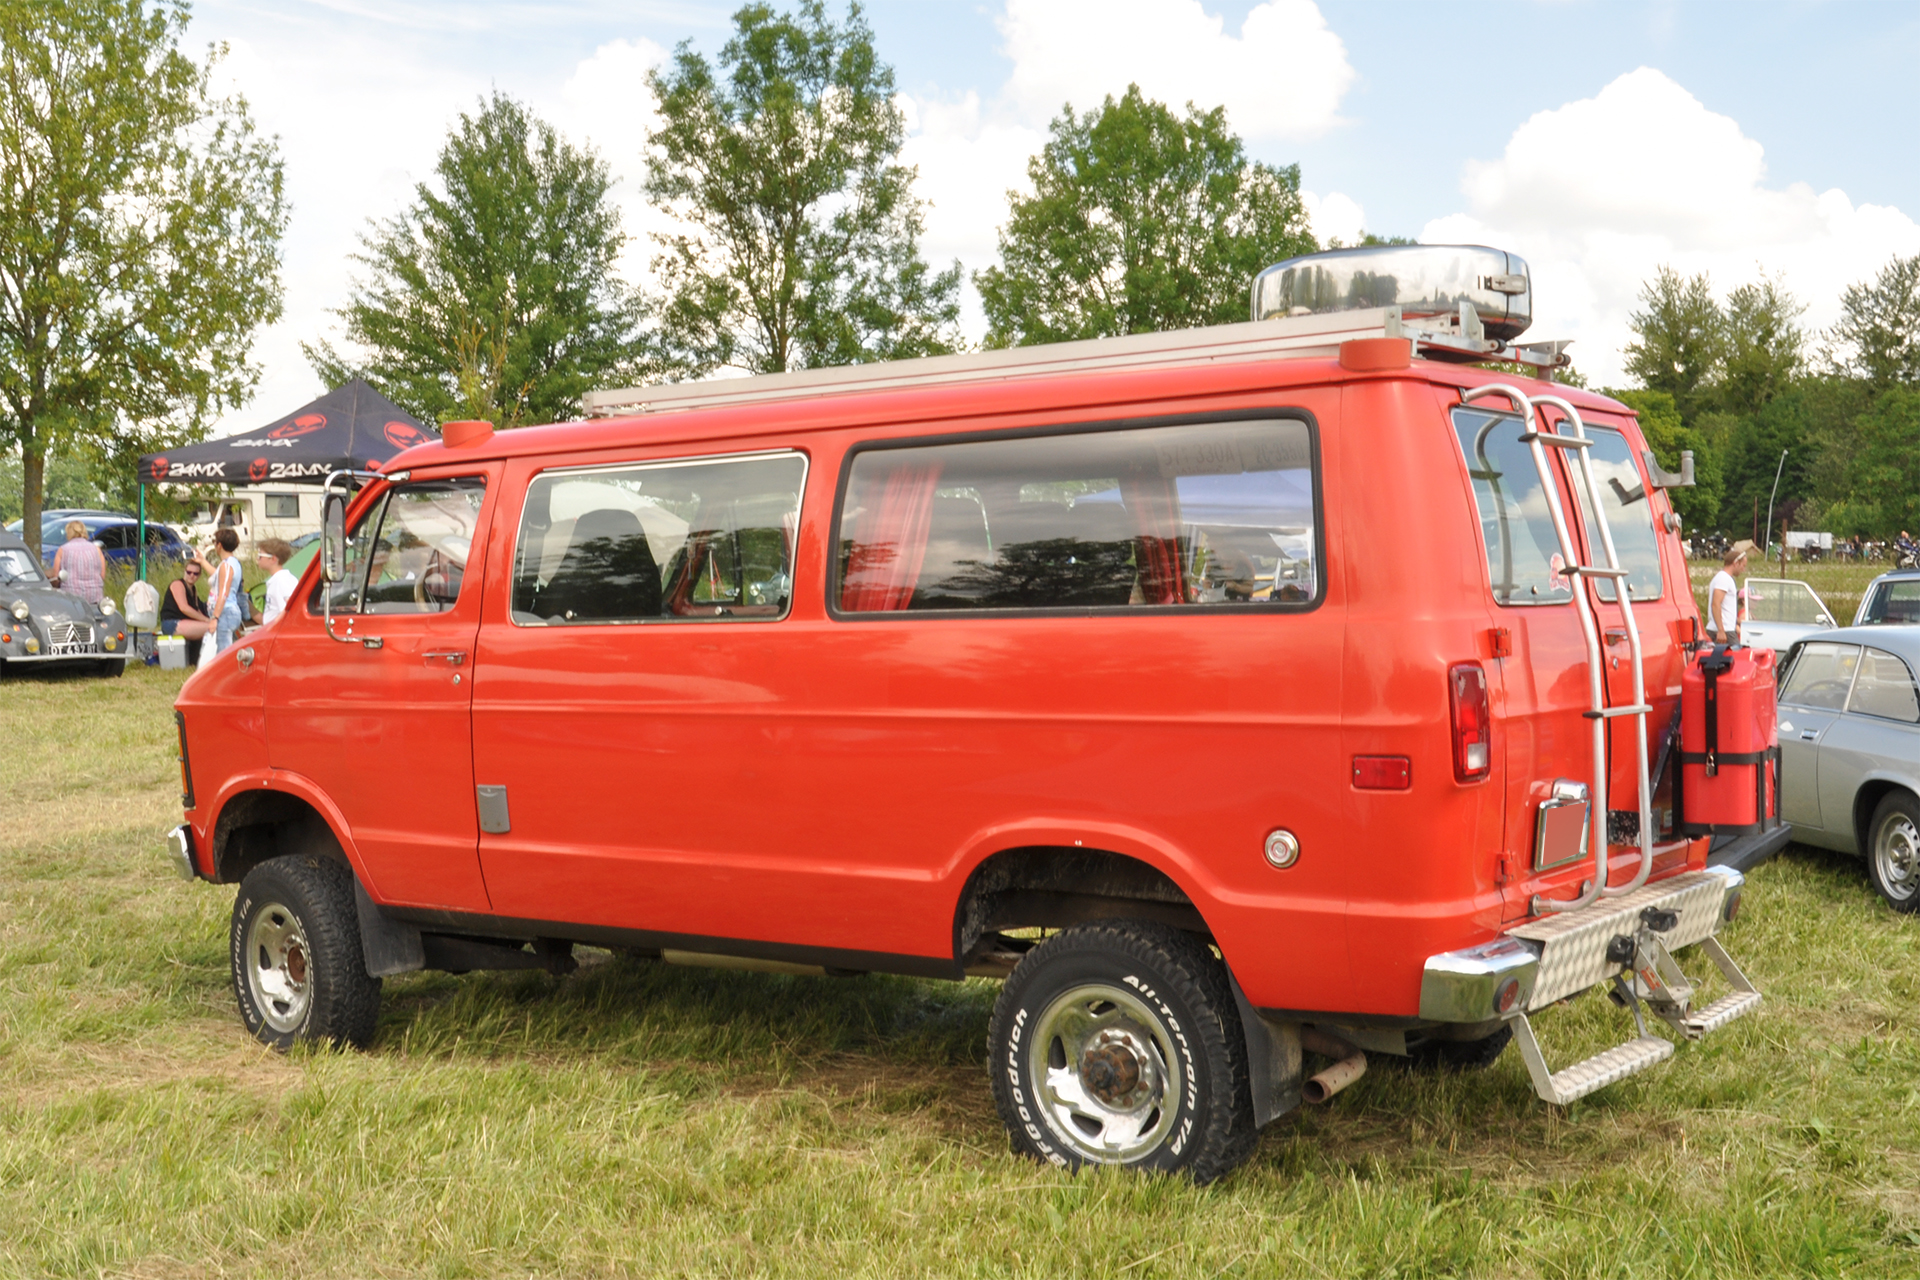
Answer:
(1809, 735)
(452, 657)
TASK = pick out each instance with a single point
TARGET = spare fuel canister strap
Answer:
(1726, 757)
(1711, 666)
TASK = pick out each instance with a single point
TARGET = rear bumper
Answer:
(1744, 853)
(1545, 960)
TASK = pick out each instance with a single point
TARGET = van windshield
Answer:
(1523, 554)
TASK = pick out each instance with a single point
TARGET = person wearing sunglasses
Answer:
(183, 611)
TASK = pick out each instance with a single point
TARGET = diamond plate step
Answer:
(1597, 1072)
(1721, 1012)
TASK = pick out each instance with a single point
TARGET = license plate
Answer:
(75, 649)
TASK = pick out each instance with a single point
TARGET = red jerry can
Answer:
(1729, 781)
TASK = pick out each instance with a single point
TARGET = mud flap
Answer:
(1273, 1060)
(388, 946)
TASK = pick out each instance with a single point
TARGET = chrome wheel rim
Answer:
(1896, 856)
(279, 967)
(1101, 1067)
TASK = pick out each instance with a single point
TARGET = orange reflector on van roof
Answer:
(1373, 355)
(456, 434)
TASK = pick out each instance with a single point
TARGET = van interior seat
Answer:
(607, 573)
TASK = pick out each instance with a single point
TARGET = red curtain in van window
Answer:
(1156, 515)
(891, 540)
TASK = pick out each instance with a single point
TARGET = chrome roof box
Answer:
(1428, 282)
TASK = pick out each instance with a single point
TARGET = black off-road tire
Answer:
(1459, 1055)
(1893, 850)
(1170, 1017)
(294, 945)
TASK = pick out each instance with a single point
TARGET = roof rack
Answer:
(1458, 338)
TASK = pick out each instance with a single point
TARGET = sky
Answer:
(1599, 139)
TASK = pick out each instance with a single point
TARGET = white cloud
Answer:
(1598, 194)
(1335, 217)
(1282, 76)
(606, 103)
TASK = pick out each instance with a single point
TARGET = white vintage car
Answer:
(1782, 611)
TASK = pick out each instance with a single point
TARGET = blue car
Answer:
(119, 537)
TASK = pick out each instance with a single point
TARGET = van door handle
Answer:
(452, 657)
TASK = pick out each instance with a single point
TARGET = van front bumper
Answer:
(1534, 964)
(180, 852)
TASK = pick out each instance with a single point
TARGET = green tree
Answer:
(495, 294)
(1878, 334)
(1885, 498)
(800, 240)
(1680, 334)
(140, 221)
(1667, 435)
(1763, 348)
(1140, 220)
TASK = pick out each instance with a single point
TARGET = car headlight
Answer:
(19, 610)
(106, 604)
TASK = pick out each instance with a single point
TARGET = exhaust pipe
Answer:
(1349, 1064)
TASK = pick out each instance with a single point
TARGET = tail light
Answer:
(1472, 722)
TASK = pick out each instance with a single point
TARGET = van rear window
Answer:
(1623, 496)
(1212, 513)
(708, 538)
(1523, 553)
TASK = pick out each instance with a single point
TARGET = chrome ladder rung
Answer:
(1594, 571)
(1563, 442)
(1611, 712)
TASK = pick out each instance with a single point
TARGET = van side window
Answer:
(699, 539)
(283, 506)
(1212, 513)
(1821, 676)
(1523, 554)
(409, 555)
(1623, 497)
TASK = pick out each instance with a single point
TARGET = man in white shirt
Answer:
(272, 557)
(1723, 594)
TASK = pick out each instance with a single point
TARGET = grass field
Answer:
(636, 1119)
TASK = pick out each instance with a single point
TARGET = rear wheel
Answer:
(1119, 1044)
(1893, 851)
(298, 972)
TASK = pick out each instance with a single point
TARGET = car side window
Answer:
(699, 539)
(1894, 602)
(1884, 688)
(409, 554)
(1821, 676)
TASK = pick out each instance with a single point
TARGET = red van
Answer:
(1245, 697)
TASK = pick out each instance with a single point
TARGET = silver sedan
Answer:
(1850, 751)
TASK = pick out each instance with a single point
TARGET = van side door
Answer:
(378, 714)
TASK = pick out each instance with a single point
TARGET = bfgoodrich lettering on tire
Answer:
(1119, 1043)
(295, 949)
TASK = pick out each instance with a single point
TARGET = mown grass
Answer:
(636, 1119)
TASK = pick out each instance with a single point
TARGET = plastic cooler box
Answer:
(1729, 781)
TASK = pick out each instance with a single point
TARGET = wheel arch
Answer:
(274, 816)
(1040, 876)
(1866, 800)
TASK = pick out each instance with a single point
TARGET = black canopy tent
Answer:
(350, 427)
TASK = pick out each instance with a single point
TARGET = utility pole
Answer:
(1768, 526)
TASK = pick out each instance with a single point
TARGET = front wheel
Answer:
(1119, 1044)
(298, 971)
(1893, 851)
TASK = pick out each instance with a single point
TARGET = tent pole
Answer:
(143, 530)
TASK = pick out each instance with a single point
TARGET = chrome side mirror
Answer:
(333, 538)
